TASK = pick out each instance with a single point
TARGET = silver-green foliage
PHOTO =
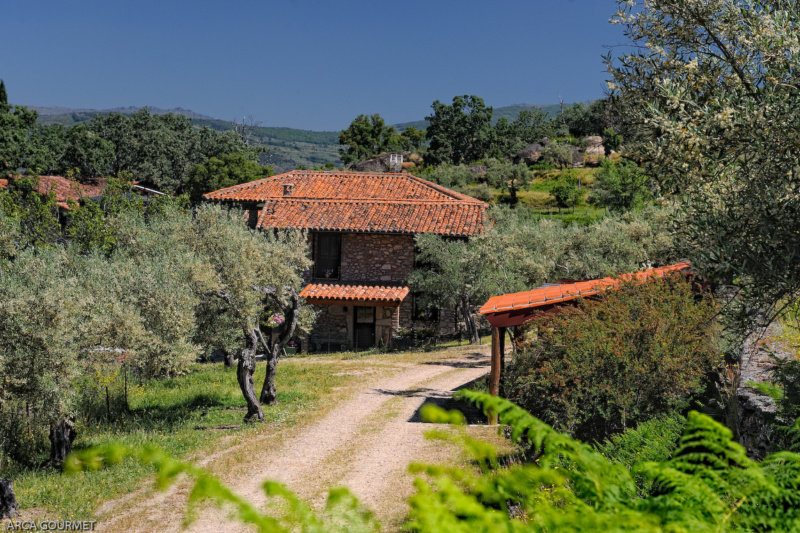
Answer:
(517, 253)
(711, 96)
(147, 302)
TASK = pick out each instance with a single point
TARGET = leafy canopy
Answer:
(365, 137)
(620, 186)
(459, 133)
(712, 97)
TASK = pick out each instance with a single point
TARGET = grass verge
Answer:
(181, 415)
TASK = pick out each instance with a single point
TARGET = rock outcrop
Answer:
(531, 153)
(756, 412)
(594, 145)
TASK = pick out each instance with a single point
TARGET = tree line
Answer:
(463, 131)
(159, 151)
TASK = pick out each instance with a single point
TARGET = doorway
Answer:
(364, 327)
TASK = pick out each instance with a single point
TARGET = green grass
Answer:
(486, 339)
(180, 416)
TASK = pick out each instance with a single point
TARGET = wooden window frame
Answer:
(318, 269)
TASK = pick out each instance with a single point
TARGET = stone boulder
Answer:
(477, 170)
(530, 154)
(577, 157)
(594, 145)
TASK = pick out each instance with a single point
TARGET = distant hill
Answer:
(287, 147)
(59, 115)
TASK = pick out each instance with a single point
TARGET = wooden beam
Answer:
(494, 374)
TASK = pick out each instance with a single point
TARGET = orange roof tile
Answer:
(354, 292)
(358, 201)
(570, 291)
(65, 189)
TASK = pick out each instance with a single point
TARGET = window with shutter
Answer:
(327, 255)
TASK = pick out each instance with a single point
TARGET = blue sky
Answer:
(302, 63)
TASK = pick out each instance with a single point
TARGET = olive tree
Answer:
(507, 177)
(63, 309)
(712, 96)
(41, 320)
(519, 251)
(256, 276)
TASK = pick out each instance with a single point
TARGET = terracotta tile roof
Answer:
(354, 292)
(64, 188)
(358, 201)
(561, 293)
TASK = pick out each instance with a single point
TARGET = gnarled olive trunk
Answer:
(269, 394)
(62, 435)
(244, 375)
(9, 508)
(469, 320)
(229, 358)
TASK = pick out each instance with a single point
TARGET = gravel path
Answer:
(365, 444)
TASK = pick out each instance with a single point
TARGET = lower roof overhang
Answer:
(507, 319)
(355, 303)
(352, 293)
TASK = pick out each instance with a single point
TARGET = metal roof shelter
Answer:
(511, 310)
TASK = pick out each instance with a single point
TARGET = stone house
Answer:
(361, 228)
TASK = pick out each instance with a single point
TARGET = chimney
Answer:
(288, 189)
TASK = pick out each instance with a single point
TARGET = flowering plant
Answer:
(274, 321)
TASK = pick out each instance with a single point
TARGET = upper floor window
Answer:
(327, 255)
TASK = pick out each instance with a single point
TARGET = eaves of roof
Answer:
(545, 296)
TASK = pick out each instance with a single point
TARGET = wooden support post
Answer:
(494, 374)
(501, 382)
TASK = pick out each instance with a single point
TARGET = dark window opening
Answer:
(429, 313)
(327, 255)
(365, 315)
(364, 327)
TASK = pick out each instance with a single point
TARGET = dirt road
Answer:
(365, 444)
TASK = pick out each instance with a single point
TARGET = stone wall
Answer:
(374, 259)
(377, 258)
(332, 329)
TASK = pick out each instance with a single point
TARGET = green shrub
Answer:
(566, 192)
(619, 187)
(451, 176)
(480, 192)
(542, 166)
(559, 155)
(609, 364)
